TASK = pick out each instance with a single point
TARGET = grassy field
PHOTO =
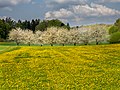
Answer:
(60, 68)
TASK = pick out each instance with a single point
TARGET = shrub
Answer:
(113, 29)
(115, 37)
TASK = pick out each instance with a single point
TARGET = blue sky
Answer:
(76, 12)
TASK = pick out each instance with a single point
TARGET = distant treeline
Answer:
(6, 25)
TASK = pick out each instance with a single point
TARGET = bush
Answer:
(115, 37)
(42, 26)
(113, 29)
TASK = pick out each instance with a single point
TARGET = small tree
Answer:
(28, 37)
(38, 37)
(85, 35)
(16, 35)
(99, 34)
(62, 36)
(113, 29)
(74, 37)
(49, 36)
(115, 38)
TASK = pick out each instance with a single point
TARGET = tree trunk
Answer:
(17, 43)
(29, 43)
(86, 43)
(97, 42)
(74, 44)
(51, 44)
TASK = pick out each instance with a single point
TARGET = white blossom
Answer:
(16, 35)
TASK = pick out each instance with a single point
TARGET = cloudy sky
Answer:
(76, 12)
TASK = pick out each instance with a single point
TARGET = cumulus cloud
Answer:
(62, 13)
(110, 0)
(64, 3)
(8, 3)
(94, 10)
(79, 12)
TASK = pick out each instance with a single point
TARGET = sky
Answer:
(74, 12)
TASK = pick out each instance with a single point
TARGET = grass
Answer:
(7, 44)
(4, 49)
(60, 68)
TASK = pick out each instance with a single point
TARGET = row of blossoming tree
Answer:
(54, 35)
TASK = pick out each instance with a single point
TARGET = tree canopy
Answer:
(114, 31)
(43, 25)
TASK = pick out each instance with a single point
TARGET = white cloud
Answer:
(7, 3)
(110, 0)
(63, 3)
(94, 10)
(79, 12)
(62, 13)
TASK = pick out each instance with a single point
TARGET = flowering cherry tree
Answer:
(49, 36)
(28, 37)
(62, 36)
(99, 34)
(74, 37)
(38, 38)
(16, 35)
(85, 35)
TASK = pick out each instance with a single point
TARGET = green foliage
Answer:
(68, 26)
(4, 49)
(55, 23)
(7, 44)
(113, 29)
(4, 29)
(51, 23)
(116, 27)
(117, 23)
(115, 37)
(42, 26)
(27, 24)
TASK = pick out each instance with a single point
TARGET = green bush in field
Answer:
(115, 37)
(113, 29)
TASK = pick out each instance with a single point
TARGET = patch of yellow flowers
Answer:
(61, 68)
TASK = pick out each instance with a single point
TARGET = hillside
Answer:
(60, 68)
